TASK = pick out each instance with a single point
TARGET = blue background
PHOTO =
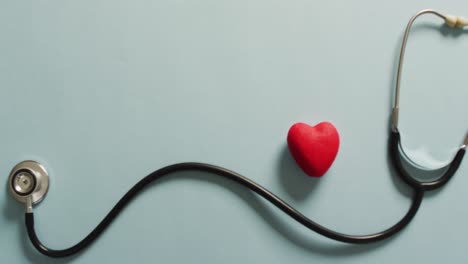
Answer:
(104, 92)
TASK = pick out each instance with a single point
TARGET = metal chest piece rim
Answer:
(28, 179)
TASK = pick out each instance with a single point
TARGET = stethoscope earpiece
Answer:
(28, 182)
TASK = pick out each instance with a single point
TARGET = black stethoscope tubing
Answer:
(418, 187)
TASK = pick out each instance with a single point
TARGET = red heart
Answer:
(314, 147)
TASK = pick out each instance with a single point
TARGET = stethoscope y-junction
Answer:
(29, 181)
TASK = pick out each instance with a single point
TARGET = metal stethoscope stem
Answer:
(29, 181)
(451, 21)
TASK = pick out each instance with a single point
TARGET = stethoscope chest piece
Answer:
(28, 179)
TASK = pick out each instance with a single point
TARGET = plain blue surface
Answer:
(104, 92)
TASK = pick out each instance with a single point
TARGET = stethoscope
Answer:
(28, 182)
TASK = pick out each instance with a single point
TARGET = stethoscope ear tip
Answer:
(28, 182)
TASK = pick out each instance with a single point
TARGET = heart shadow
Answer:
(294, 181)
